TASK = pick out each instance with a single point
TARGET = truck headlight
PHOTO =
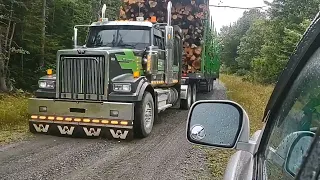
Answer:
(122, 87)
(47, 84)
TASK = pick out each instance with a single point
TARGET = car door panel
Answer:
(241, 163)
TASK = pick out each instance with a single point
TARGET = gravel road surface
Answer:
(165, 154)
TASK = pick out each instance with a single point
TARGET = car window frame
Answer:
(306, 47)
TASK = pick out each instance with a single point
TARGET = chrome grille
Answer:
(82, 78)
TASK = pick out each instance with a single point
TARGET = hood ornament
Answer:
(81, 51)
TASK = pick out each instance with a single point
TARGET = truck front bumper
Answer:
(110, 120)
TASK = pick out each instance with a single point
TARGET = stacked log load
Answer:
(189, 15)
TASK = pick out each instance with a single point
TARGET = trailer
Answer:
(210, 65)
(117, 84)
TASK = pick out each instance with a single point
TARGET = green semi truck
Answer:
(120, 80)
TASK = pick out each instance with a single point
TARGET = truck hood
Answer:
(121, 60)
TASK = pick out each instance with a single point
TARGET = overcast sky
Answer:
(225, 16)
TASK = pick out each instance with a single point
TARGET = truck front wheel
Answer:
(144, 116)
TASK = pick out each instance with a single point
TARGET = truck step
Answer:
(162, 108)
(162, 91)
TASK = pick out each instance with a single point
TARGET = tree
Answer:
(251, 44)
(43, 28)
(289, 20)
(231, 36)
(8, 23)
(279, 45)
(265, 44)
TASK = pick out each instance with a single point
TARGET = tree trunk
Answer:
(3, 85)
(43, 33)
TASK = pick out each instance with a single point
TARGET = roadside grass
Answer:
(13, 117)
(253, 98)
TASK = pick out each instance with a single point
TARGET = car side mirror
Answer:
(220, 124)
(297, 151)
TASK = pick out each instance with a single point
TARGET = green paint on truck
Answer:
(129, 60)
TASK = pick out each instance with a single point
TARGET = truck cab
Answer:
(116, 84)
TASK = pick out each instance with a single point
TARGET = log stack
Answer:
(189, 15)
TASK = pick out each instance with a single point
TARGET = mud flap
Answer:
(80, 131)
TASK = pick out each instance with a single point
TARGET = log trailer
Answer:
(116, 84)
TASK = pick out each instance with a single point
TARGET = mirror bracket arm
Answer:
(247, 146)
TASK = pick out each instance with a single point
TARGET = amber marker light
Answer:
(49, 72)
(124, 123)
(153, 19)
(104, 121)
(86, 120)
(95, 120)
(114, 122)
(136, 74)
(59, 118)
(68, 119)
(77, 119)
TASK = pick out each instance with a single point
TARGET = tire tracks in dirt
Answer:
(165, 154)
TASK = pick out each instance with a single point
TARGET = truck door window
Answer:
(156, 41)
(299, 112)
(159, 42)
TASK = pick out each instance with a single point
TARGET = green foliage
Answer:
(265, 47)
(14, 115)
(250, 44)
(231, 36)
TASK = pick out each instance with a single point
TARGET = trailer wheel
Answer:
(186, 103)
(144, 116)
(194, 93)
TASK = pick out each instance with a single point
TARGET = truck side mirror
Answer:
(220, 124)
(297, 151)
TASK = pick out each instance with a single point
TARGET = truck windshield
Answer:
(135, 37)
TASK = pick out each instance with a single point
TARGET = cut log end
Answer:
(188, 15)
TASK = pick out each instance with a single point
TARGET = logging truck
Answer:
(116, 84)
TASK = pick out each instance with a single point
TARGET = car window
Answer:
(299, 114)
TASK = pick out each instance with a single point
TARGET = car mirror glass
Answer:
(297, 152)
(215, 124)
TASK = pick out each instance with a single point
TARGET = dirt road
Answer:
(165, 154)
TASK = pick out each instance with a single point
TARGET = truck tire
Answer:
(186, 103)
(209, 86)
(144, 116)
(194, 93)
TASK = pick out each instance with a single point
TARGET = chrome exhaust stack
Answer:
(103, 12)
(169, 9)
